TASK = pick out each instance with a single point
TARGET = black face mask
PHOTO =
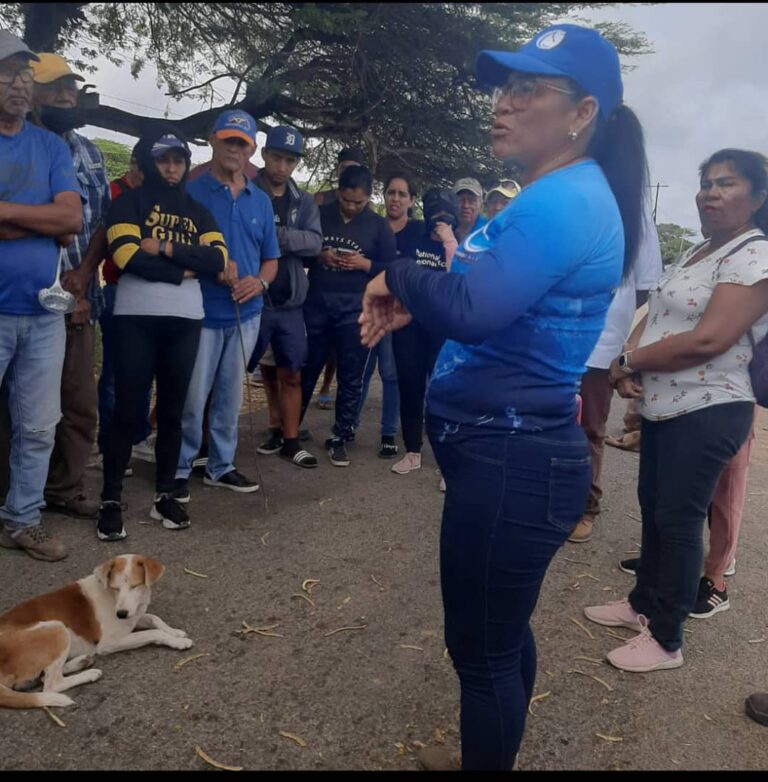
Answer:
(59, 120)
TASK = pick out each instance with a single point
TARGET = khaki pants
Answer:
(596, 394)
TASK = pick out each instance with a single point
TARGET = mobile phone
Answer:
(344, 251)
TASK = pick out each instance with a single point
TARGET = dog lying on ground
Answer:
(60, 632)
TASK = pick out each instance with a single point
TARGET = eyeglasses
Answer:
(25, 74)
(521, 91)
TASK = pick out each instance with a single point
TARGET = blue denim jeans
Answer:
(31, 359)
(107, 376)
(219, 372)
(512, 499)
(384, 356)
(680, 464)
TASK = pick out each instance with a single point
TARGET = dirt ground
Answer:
(365, 697)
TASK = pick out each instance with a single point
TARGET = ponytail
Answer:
(619, 148)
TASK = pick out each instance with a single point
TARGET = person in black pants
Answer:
(416, 347)
(161, 240)
(357, 245)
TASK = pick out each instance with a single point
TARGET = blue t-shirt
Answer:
(35, 166)
(523, 305)
(248, 226)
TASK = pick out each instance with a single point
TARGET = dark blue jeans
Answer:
(331, 320)
(107, 376)
(512, 500)
(680, 463)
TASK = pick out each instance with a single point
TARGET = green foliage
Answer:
(674, 241)
(116, 157)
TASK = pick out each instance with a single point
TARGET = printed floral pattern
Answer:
(676, 304)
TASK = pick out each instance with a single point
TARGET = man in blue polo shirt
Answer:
(244, 216)
(39, 203)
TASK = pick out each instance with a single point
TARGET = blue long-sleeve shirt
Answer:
(524, 304)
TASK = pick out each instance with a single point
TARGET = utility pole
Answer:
(656, 200)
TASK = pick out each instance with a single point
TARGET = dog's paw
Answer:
(92, 675)
(179, 643)
(176, 632)
(55, 699)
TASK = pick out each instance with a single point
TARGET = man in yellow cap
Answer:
(500, 196)
(55, 92)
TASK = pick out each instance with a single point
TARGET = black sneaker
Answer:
(629, 565)
(170, 512)
(273, 444)
(337, 452)
(233, 480)
(180, 491)
(387, 449)
(110, 524)
(710, 600)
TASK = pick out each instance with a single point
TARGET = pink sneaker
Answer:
(618, 613)
(644, 653)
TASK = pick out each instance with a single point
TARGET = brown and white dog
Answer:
(58, 633)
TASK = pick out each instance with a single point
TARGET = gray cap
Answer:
(10, 45)
(468, 183)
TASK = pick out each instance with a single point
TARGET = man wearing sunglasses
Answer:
(39, 204)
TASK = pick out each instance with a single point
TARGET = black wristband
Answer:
(161, 248)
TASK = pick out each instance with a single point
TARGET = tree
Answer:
(674, 241)
(117, 157)
(396, 79)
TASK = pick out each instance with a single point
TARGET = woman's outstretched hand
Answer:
(382, 312)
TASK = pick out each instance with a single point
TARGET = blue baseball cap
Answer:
(578, 53)
(169, 141)
(284, 138)
(236, 124)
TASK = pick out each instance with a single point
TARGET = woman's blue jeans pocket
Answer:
(569, 482)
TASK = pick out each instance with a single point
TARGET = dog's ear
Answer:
(104, 571)
(153, 570)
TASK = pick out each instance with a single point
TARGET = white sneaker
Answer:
(145, 450)
(731, 568)
(409, 463)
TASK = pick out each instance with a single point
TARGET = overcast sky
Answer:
(704, 88)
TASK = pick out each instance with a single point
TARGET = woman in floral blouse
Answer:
(687, 363)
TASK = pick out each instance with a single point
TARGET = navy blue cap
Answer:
(284, 138)
(236, 124)
(169, 141)
(578, 53)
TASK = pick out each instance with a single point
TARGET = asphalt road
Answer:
(365, 698)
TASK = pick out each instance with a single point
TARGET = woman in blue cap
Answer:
(521, 309)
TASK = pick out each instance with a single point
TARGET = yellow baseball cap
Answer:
(508, 188)
(52, 67)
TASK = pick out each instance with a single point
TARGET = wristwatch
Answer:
(264, 283)
(625, 362)
(161, 247)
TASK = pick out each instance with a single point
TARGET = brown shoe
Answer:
(36, 541)
(438, 759)
(756, 706)
(80, 507)
(582, 532)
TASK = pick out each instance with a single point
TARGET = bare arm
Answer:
(731, 311)
(63, 216)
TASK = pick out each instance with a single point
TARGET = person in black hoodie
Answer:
(161, 240)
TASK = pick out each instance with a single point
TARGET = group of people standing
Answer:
(506, 313)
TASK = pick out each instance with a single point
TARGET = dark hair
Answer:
(752, 166)
(352, 153)
(618, 147)
(406, 178)
(356, 176)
